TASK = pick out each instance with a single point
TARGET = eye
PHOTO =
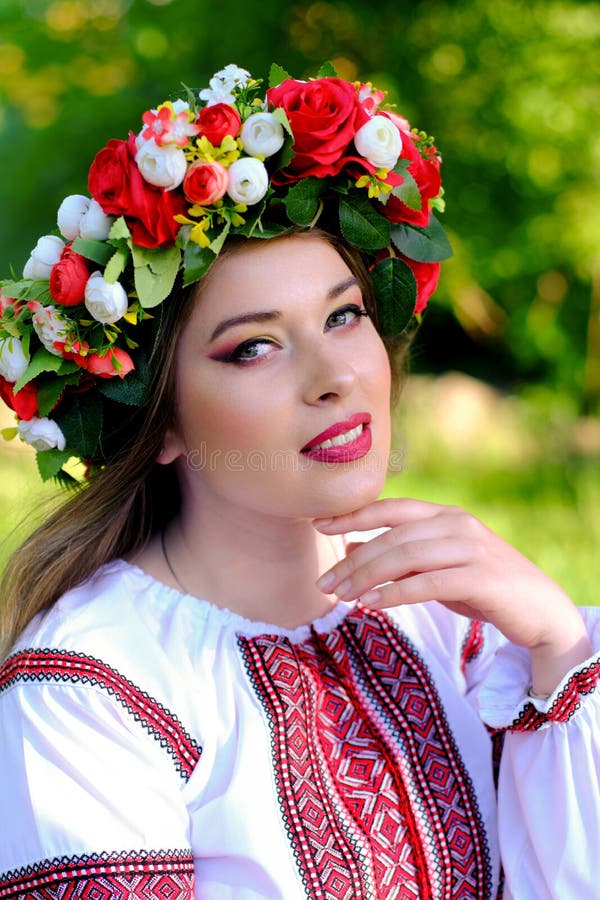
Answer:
(249, 351)
(346, 315)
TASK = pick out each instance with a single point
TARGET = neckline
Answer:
(227, 618)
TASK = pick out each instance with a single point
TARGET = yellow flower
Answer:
(198, 233)
(227, 153)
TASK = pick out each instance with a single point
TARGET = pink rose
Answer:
(114, 362)
(205, 182)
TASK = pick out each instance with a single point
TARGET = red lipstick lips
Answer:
(357, 441)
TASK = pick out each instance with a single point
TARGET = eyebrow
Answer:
(274, 314)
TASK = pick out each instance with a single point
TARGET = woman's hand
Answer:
(433, 552)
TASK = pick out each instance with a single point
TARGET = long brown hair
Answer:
(133, 497)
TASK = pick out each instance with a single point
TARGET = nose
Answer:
(327, 377)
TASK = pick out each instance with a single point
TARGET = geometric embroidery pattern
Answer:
(64, 666)
(155, 875)
(367, 771)
(566, 704)
(472, 645)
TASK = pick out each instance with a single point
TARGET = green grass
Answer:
(531, 473)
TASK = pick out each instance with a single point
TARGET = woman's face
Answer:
(283, 387)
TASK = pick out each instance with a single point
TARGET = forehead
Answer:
(271, 274)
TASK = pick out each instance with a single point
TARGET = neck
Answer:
(259, 566)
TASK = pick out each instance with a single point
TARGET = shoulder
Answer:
(121, 636)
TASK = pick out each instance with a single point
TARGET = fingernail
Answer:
(321, 523)
(370, 597)
(326, 582)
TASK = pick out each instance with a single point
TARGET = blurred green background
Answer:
(511, 91)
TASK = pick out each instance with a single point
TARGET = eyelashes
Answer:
(255, 349)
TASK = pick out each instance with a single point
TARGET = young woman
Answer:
(230, 670)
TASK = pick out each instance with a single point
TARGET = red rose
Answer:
(427, 276)
(426, 172)
(24, 402)
(324, 114)
(115, 362)
(118, 185)
(68, 278)
(205, 182)
(218, 120)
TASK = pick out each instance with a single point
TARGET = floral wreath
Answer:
(229, 160)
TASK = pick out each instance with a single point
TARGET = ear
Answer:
(172, 447)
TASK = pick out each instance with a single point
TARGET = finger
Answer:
(402, 562)
(380, 514)
(444, 585)
(436, 528)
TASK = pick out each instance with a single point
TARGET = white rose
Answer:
(44, 255)
(49, 328)
(107, 303)
(379, 142)
(95, 225)
(13, 361)
(69, 215)
(161, 166)
(262, 134)
(42, 434)
(248, 180)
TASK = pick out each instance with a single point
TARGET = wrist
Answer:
(552, 659)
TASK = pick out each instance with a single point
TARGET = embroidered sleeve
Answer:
(548, 791)
(504, 696)
(91, 780)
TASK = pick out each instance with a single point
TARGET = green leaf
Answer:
(277, 74)
(116, 264)
(196, 262)
(268, 230)
(98, 251)
(327, 70)
(218, 242)
(280, 114)
(408, 192)
(9, 433)
(422, 244)
(81, 423)
(67, 367)
(50, 390)
(395, 295)
(302, 200)
(119, 230)
(50, 462)
(155, 271)
(130, 390)
(41, 361)
(361, 224)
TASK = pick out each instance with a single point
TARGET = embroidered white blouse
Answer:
(154, 745)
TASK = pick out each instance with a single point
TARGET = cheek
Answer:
(225, 416)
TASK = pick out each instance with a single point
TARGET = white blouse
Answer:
(155, 745)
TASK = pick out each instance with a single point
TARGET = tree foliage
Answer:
(509, 89)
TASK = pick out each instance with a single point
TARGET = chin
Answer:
(352, 497)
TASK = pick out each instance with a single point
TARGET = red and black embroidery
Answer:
(158, 875)
(472, 645)
(566, 704)
(64, 666)
(367, 770)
